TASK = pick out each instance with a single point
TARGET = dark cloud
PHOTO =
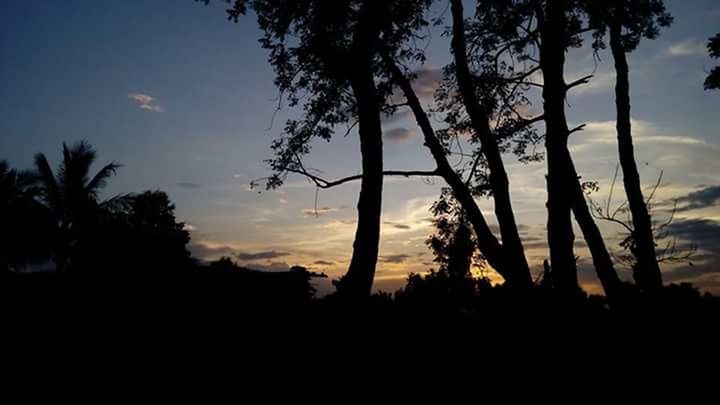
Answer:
(427, 82)
(323, 263)
(703, 198)
(205, 252)
(271, 267)
(704, 269)
(317, 212)
(398, 134)
(396, 225)
(394, 259)
(262, 255)
(703, 232)
(188, 185)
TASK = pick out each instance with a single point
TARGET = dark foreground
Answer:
(218, 305)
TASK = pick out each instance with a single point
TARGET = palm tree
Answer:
(71, 195)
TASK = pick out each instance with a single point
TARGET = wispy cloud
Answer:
(600, 82)
(188, 185)
(262, 255)
(317, 212)
(604, 132)
(398, 134)
(688, 47)
(146, 102)
(427, 82)
(394, 259)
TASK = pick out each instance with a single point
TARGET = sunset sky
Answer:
(185, 100)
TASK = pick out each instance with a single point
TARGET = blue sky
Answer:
(185, 100)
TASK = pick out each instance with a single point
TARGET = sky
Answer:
(185, 101)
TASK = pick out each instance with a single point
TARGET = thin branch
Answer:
(325, 184)
(582, 80)
(577, 129)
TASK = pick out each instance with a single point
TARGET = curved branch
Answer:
(325, 184)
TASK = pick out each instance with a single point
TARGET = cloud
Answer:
(261, 255)
(146, 102)
(271, 267)
(190, 227)
(397, 116)
(188, 185)
(397, 225)
(703, 198)
(704, 232)
(151, 108)
(323, 263)
(688, 47)
(427, 82)
(604, 132)
(209, 252)
(598, 83)
(313, 212)
(394, 259)
(705, 269)
(398, 134)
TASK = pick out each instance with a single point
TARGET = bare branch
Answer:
(577, 129)
(582, 80)
(325, 184)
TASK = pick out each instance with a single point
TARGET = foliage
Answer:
(712, 82)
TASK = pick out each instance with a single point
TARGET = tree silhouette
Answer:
(479, 115)
(24, 224)
(712, 82)
(628, 21)
(508, 259)
(532, 37)
(72, 196)
(558, 27)
(135, 235)
(325, 57)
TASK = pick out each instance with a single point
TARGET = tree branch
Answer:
(582, 80)
(325, 184)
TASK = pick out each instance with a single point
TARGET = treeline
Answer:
(59, 239)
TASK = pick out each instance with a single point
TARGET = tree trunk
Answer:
(487, 242)
(512, 246)
(646, 271)
(602, 261)
(357, 283)
(559, 178)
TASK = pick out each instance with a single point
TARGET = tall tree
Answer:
(559, 25)
(508, 258)
(487, 242)
(628, 21)
(71, 195)
(552, 21)
(513, 251)
(325, 55)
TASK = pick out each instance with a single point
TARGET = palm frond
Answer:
(100, 180)
(75, 168)
(47, 182)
